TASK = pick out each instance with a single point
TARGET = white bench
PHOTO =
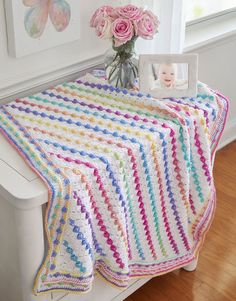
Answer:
(22, 201)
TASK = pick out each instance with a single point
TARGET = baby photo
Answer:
(169, 76)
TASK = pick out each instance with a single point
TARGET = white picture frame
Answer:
(169, 65)
(21, 43)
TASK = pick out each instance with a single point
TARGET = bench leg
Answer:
(30, 238)
(191, 266)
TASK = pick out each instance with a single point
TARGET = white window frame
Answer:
(213, 17)
(212, 28)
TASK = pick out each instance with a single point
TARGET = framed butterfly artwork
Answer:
(36, 25)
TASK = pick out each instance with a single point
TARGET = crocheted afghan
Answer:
(130, 181)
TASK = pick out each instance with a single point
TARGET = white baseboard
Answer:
(229, 134)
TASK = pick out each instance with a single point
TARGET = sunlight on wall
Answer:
(200, 8)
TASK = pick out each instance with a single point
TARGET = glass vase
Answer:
(121, 65)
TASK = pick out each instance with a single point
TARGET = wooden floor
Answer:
(215, 277)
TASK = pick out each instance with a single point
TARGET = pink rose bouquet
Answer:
(123, 25)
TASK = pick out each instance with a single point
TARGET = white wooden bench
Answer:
(22, 201)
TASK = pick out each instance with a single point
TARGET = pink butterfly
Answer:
(37, 15)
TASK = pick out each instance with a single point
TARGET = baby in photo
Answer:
(166, 77)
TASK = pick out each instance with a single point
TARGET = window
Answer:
(196, 9)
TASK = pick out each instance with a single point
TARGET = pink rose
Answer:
(122, 30)
(103, 11)
(147, 26)
(103, 28)
(130, 12)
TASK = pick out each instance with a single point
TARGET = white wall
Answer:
(22, 70)
(217, 68)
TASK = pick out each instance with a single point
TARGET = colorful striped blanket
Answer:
(130, 182)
